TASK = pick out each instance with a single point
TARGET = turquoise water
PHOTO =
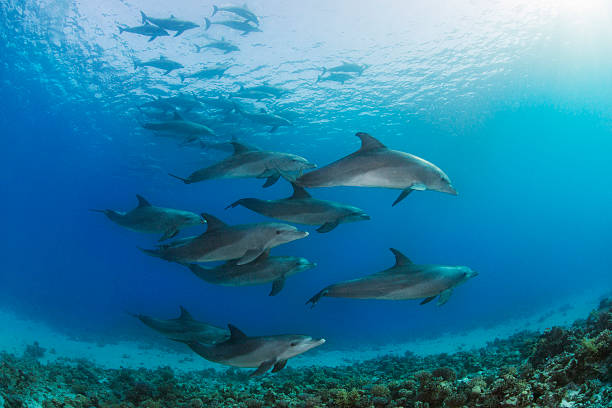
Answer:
(510, 99)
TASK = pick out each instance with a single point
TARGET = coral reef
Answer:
(562, 367)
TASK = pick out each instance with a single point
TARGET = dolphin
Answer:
(148, 218)
(264, 118)
(171, 24)
(374, 165)
(248, 161)
(252, 93)
(301, 208)
(148, 30)
(347, 67)
(243, 26)
(185, 328)
(222, 45)
(262, 270)
(179, 126)
(243, 12)
(275, 91)
(206, 73)
(222, 242)
(249, 352)
(340, 77)
(404, 280)
(162, 63)
(185, 102)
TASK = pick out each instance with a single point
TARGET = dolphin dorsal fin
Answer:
(235, 333)
(213, 222)
(400, 259)
(241, 148)
(299, 192)
(142, 202)
(172, 16)
(368, 142)
(177, 116)
(185, 315)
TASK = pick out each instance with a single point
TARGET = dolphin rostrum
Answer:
(222, 242)
(301, 208)
(404, 280)
(148, 218)
(185, 328)
(248, 161)
(249, 352)
(171, 24)
(375, 165)
(262, 270)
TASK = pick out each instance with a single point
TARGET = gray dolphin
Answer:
(301, 208)
(404, 280)
(148, 218)
(222, 242)
(264, 118)
(248, 161)
(162, 63)
(185, 328)
(186, 129)
(262, 352)
(171, 24)
(262, 270)
(222, 45)
(374, 165)
(256, 93)
(243, 26)
(347, 67)
(148, 30)
(206, 73)
(243, 12)
(184, 102)
(340, 77)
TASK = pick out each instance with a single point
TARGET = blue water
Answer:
(511, 100)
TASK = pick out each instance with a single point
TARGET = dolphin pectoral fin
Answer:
(250, 256)
(402, 195)
(178, 33)
(277, 286)
(444, 296)
(167, 72)
(328, 226)
(171, 233)
(271, 180)
(427, 300)
(317, 297)
(152, 38)
(184, 180)
(263, 367)
(273, 129)
(279, 366)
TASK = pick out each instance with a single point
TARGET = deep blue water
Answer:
(518, 115)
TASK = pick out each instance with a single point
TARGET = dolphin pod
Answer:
(404, 280)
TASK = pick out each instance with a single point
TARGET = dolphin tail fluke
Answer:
(317, 297)
(198, 47)
(182, 76)
(319, 79)
(152, 252)
(121, 29)
(324, 71)
(235, 204)
(184, 180)
(144, 17)
(215, 9)
(96, 210)
(136, 64)
(207, 21)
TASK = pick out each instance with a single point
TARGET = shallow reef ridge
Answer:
(562, 367)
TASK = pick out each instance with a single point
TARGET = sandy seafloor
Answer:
(132, 354)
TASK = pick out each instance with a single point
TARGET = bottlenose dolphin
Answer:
(148, 30)
(222, 45)
(187, 129)
(162, 63)
(243, 12)
(301, 208)
(346, 67)
(148, 218)
(262, 270)
(275, 91)
(222, 242)
(206, 73)
(248, 161)
(404, 280)
(250, 352)
(184, 102)
(374, 165)
(340, 77)
(252, 93)
(264, 118)
(171, 24)
(243, 26)
(185, 328)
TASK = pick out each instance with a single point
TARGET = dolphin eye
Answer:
(294, 344)
(278, 232)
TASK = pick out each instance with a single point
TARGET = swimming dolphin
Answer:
(162, 63)
(151, 219)
(222, 242)
(148, 30)
(347, 67)
(374, 165)
(252, 93)
(262, 270)
(243, 26)
(301, 208)
(184, 102)
(171, 24)
(206, 73)
(185, 328)
(243, 12)
(179, 126)
(264, 118)
(250, 352)
(404, 280)
(275, 91)
(222, 45)
(248, 161)
(340, 77)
